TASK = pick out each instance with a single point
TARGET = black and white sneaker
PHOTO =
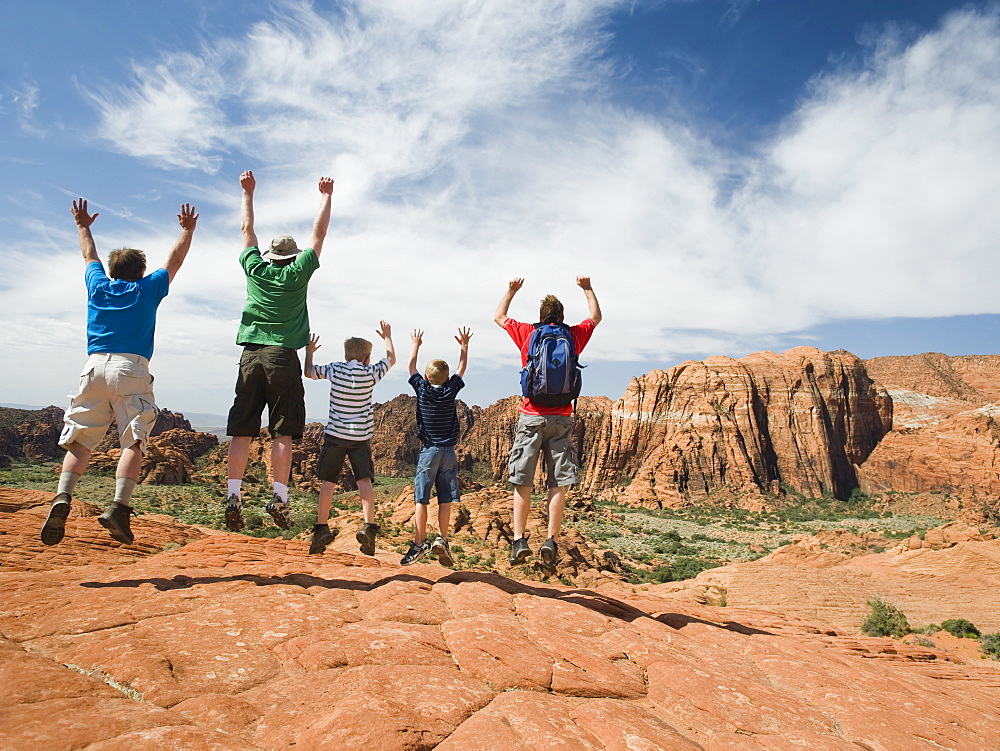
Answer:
(415, 553)
(442, 550)
(234, 513)
(55, 524)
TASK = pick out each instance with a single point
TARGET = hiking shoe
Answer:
(366, 538)
(442, 550)
(519, 551)
(278, 509)
(116, 520)
(55, 524)
(234, 513)
(415, 553)
(549, 552)
(322, 536)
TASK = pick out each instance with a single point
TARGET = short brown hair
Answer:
(551, 310)
(436, 372)
(357, 348)
(127, 264)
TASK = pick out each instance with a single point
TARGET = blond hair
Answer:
(357, 348)
(436, 372)
(550, 310)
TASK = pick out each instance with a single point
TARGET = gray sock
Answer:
(123, 490)
(67, 483)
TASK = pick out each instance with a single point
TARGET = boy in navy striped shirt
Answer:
(437, 428)
(348, 431)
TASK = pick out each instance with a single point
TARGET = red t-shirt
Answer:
(521, 334)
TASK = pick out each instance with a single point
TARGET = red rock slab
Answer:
(377, 707)
(405, 599)
(27, 678)
(228, 714)
(472, 597)
(497, 650)
(157, 739)
(368, 643)
(566, 616)
(519, 721)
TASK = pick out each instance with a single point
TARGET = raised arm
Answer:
(512, 287)
(595, 308)
(464, 335)
(322, 222)
(385, 331)
(313, 345)
(83, 221)
(187, 219)
(249, 184)
(417, 339)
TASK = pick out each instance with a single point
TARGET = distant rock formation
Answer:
(29, 434)
(803, 419)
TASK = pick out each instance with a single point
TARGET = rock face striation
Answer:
(232, 642)
(29, 434)
(804, 420)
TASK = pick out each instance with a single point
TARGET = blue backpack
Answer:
(551, 376)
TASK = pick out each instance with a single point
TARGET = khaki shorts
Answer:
(552, 436)
(112, 387)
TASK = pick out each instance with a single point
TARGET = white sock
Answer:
(67, 482)
(281, 491)
(123, 490)
(235, 488)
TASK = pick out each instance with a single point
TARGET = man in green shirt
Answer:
(275, 324)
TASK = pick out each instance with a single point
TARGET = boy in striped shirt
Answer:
(349, 429)
(437, 428)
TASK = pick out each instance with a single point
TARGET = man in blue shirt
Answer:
(115, 383)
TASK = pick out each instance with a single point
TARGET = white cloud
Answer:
(474, 142)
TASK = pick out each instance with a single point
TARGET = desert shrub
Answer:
(885, 619)
(961, 628)
(990, 644)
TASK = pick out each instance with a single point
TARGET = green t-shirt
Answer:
(275, 310)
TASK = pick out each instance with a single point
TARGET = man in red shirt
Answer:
(541, 428)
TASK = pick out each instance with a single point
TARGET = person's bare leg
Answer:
(281, 458)
(239, 453)
(420, 523)
(367, 494)
(522, 505)
(77, 458)
(130, 463)
(557, 504)
(444, 519)
(325, 502)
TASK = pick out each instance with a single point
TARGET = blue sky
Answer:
(735, 175)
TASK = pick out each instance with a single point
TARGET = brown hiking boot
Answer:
(116, 519)
(55, 524)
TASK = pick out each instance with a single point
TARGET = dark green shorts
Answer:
(272, 377)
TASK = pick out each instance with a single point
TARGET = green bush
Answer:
(961, 628)
(990, 644)
(885, 619)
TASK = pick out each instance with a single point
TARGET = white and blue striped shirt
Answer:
(351, 386)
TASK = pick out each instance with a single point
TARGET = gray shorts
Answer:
(112, 387)
(552, 436)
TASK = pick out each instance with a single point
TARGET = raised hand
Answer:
(326, 185)
(313, 343)
(247, 181)
(187, 218)
(464, 335)
(79, 211)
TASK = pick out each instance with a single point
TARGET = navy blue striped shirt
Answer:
(437, 418)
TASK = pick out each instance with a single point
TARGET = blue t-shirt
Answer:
(437, 418)
(121, 316)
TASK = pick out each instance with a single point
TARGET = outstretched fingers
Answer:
(80, 214)
(188, 218)
(464, 334)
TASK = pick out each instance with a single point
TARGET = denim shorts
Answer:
(551, 436)
(112, 387)
(333, 453)
(437, 468)
(269, 376)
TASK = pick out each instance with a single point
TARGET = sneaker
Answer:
(442, 550)
(234, 513)
(278, 509)
(519, 551)
(366, 538)
(415, 553)
(116, 520)
(55, 524)
(322, 536)
(549, 552)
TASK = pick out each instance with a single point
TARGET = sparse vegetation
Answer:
(961, 628)
(885, 620)
(990, 644)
